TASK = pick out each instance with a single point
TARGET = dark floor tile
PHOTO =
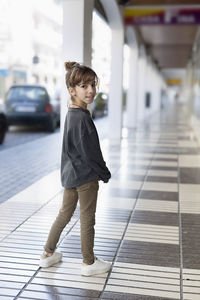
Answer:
(165, 159)
(149, 258)
(157, 254)
(162, 179)
(192, 151)
(184, 138)
(125, 296)
(190, 175)
(167, 150)
(163, 168)
(159, 195)
(155, 218)
(190, 240)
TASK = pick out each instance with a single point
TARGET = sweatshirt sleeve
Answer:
(89, 149)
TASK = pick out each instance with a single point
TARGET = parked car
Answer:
(31, 105)
(3, 125)
(99, 106)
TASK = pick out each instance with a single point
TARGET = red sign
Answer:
(160, 16)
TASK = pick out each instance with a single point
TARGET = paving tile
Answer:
(161, 179)
(159, 195)
(11, 284)
(154, 217)
(68, 283)
(156, 205)
(190, 161)
(125, 184)
(189, 188)
(163, 168)
(15, 278)
(160, 186)
(63, 290)
(7, 297)
(152, 233)
(190, 175)
(12, 271)
(114, 192)
(115, 203)
(190, 240)
(125, 296)
(8, 292)
(157, 254)
(49, 296)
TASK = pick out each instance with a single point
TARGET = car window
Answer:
(27, 93)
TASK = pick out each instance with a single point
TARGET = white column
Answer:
(77, 39)
(131, 101)
(158, 91)
(115, 20)
(141, 84)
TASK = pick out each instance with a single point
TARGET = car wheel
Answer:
(51, 125)
(2, 136)
(3, 127)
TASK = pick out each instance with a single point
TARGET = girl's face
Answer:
(84, 93)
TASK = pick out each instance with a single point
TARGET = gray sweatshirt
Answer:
(81, 160)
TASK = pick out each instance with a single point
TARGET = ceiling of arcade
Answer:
(166, 27)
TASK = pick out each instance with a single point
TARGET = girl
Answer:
(82, 166)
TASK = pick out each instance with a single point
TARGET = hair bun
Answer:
(70, 65)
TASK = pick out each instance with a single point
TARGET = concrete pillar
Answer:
(77, 39)
(132, 92)
(141, 84)
(115, 20)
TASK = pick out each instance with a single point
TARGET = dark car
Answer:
(99, 106)
(32, 105)
(3, 125)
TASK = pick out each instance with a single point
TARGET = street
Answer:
(18, 135)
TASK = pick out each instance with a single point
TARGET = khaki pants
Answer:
(87, 195)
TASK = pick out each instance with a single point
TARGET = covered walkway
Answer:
(147, 223)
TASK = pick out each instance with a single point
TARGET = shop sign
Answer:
(162, 16)
(174, 81)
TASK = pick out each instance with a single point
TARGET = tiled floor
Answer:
(148, 223)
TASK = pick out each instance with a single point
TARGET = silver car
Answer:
(32, 105)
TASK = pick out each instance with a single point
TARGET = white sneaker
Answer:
(98, 267)
(48, 261)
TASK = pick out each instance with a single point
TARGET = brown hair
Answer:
(77, 73)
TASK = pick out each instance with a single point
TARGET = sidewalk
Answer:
(147, 221)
